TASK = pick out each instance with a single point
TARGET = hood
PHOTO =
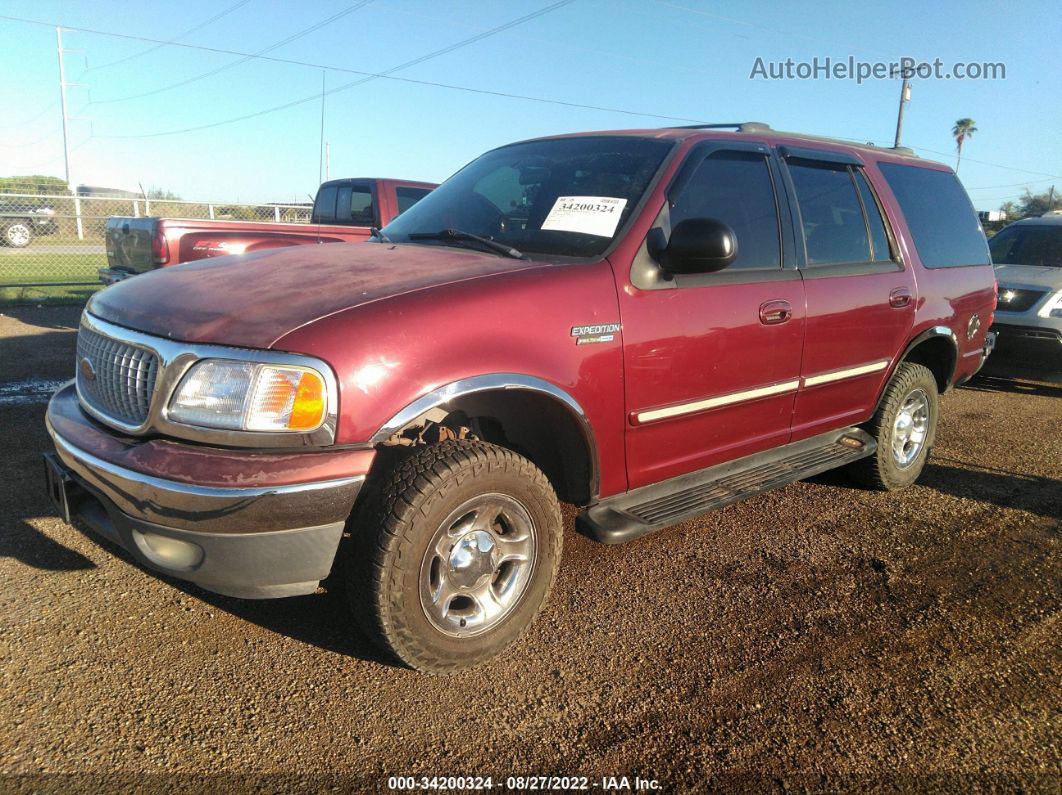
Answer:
(1029, 276)
(254, 299)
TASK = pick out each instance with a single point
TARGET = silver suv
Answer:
(1028, 261)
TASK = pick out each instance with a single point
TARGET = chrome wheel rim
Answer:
(477, 565)
(910, 428)
(18, 235)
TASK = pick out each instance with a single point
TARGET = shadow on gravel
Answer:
(322, 619)
(25, 543)
(1031, 493)
(995, 383)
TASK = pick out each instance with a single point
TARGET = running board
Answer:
(625, 517)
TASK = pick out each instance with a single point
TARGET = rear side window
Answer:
(942, 221)
(324, 208)
(835, 231)
(735, 188)
(407, 197)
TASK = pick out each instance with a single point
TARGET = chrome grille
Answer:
(124, 376)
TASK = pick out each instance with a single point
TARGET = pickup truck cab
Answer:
(345, 210)
(650, 324)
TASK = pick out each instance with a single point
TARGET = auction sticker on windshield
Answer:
(591, 215)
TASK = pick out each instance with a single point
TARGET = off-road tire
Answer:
(391, 532)
(881, 471)
(20, 241)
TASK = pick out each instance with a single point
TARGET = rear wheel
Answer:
(904, 427)
(17, 234)
(454, 554)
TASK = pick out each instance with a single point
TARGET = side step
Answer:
(627, 516)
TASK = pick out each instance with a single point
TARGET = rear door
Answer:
(860, 298)
(712, 361)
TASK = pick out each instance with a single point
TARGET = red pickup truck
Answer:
(649, 324)
(345, 210)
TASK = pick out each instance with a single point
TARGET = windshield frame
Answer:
(652, 186)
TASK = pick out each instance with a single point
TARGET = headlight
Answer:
(1053, 307)
(246, 396)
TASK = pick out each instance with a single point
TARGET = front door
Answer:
(712, 361)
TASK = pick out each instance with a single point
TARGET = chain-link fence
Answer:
(51, 247)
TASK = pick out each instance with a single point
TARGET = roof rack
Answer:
(759, 126)
(740, 126)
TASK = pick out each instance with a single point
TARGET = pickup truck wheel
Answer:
(454, 554)
(905, 428)
(17, 234)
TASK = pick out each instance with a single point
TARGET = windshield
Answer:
(1028, 245)
(565, 196)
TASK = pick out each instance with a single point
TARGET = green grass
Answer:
(27, 267)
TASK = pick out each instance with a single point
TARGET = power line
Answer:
(1013, 184)
(309, 64)
(33, 118)
(381, 75)
(986, 163)
(305, 32)
(188, 32)
(21, 144)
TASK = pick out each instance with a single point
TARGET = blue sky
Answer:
(680, 58)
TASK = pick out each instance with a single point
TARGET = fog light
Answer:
(168, 552)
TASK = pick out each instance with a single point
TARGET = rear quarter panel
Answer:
(389, 353)
(944, 296)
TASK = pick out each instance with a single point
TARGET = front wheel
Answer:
(17, 234)
(904, 426)
(454, 554)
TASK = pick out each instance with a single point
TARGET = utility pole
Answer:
(1051, 199)
(320, 153)
(905, 97)
(66, 132)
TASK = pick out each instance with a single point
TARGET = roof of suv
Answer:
(761, 130)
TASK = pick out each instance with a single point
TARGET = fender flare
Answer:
(496, 382)
(930, 333)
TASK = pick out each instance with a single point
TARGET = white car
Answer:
(1028, 260)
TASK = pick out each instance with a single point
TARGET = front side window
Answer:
(563, 196)
(360, 207)
(735, 188)
(835, 231)
(1028, 244)
(939, 214)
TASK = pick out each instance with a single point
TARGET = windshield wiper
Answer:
(456, 235)
(374, 231)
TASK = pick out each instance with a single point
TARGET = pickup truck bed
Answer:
(345, 211)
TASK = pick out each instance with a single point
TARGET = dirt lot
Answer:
(819, 637)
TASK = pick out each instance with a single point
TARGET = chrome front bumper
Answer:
(245, 541)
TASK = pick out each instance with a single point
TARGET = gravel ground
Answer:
(819, 637)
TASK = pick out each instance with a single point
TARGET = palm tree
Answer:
(963, 129)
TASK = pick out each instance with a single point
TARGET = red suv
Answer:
(650, 324)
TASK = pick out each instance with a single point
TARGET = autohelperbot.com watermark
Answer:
(850, 68)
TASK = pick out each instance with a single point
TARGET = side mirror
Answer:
(700, 245)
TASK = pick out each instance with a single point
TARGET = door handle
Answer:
(774, 312)
(899, 297)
